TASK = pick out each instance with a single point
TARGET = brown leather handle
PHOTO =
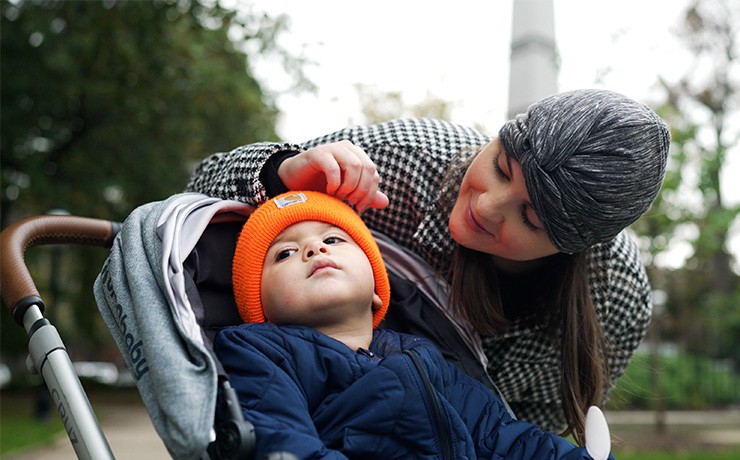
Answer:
(16, 283)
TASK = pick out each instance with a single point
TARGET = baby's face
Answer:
(315, 274)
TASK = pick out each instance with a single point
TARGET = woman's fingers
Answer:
(353, 163)
(306, 172)
(379, 201)
(340, 169)
(367, 193)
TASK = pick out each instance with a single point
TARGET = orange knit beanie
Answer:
(277, 214)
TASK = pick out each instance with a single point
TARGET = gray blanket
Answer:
(141, 295)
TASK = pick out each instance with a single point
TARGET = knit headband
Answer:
(279, 213)
(593, 162)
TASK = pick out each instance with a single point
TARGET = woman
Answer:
(532, 221)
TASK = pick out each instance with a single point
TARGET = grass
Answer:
(725, 455)
(21, 431)
(19, 428)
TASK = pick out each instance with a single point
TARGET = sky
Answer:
(459, 51)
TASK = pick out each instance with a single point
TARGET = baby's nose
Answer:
(314, 249)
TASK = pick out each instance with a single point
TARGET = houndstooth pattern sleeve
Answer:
(234, 175)
(527, 369)
(622, 296)
(412, 157)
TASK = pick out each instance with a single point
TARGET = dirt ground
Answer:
(131, 435)
(696, 431)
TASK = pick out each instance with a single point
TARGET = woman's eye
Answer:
(498, 169)
(525, 220)
(284, 254)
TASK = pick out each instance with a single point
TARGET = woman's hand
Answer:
(340, 169)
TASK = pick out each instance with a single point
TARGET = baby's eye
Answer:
(284, 254)
(333, 240)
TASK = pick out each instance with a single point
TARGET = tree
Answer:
(107, 105)
(379, 106)
(703, 109)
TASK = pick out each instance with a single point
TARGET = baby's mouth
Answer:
(320, 265)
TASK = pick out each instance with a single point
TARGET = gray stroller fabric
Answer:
(141, 295)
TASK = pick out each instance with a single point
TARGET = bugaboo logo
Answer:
(138, 365)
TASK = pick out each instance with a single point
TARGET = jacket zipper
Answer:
(437, 413)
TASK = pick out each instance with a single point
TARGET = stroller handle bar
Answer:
(47, 354)
(18, 289)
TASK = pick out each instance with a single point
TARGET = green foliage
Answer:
(686, 382)
(107, 105)
(701, 107)
(20, 430)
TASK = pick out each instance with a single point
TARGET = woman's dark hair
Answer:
(562, 301)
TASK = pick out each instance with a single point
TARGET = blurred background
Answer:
(107, 105)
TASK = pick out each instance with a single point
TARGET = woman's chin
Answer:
(453, 226)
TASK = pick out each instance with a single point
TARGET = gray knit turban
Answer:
(593, 162)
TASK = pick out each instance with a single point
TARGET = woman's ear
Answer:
(377, 303)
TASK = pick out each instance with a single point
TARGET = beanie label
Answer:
(287, 200)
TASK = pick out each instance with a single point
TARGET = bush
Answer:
(686, 382)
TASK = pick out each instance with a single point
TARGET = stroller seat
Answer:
(165, 291)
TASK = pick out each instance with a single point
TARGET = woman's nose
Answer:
(492, 207)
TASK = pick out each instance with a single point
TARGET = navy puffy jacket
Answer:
(311, 395)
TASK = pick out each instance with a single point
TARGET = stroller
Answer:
(164, 292)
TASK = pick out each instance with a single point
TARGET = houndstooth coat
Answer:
(412, 157)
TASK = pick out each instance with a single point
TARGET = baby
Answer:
(318, 378)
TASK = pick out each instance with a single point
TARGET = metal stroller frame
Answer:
(47, 353)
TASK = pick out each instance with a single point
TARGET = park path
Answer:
(128, 429)
(131, 435)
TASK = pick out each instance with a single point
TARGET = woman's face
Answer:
(493, 213)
